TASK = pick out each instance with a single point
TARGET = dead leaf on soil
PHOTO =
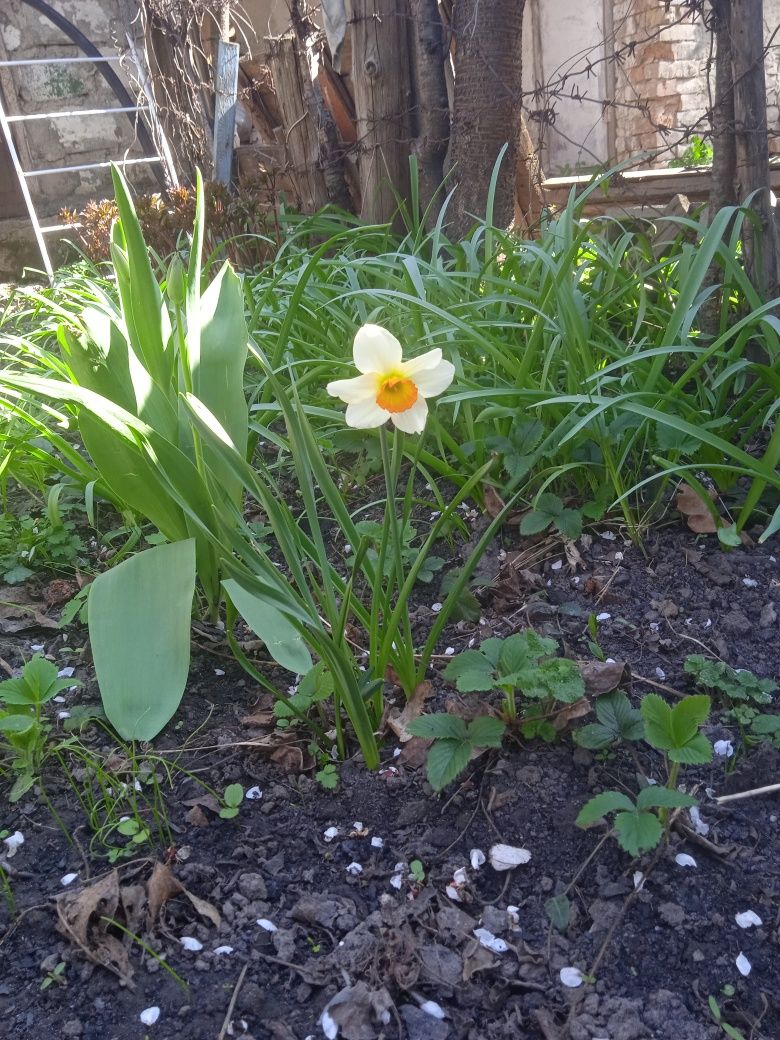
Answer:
(602, 677)
(162, 886)
(694, 509)
(196, 817)
(59, 591)
(399, 722)
(414, 753)
(82, 918)
(19, 611)
(475, 959)
(358, 1012)
(573, 557)
(569, 712)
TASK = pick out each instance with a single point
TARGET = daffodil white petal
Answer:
(435, 380)
(352, 391)
(376, 350)
(412, 420)
(423, 363)
(366, 414)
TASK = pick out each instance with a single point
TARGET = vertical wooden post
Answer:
(381, 83)
(225, 94)
(752, 146)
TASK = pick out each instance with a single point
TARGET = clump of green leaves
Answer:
(454, 742)
(523, 662)
(328, 776)
(733, 684)
(30, 542)
(676, 731)
(22, 723)
(373, 531)
(315, 687)
(549, 511)
(617, 721)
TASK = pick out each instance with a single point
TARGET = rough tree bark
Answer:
(381, 84)
(724, 157)
(432, 110)
(752, 147)
(488, 66)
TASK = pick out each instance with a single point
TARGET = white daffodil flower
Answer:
(389, 387)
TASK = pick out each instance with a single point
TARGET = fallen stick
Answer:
(753, 793)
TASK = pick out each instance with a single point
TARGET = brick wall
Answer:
(46, 88)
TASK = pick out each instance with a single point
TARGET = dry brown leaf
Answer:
(82, 918)
(259, 719)
(573, 557)
(569, 712)
(196, 817)
(400, 721)
(19, 611)
(414, 753)
(602, 677)
(162, 886)
(694, 509)
(493, 501)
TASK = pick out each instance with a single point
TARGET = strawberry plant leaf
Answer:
(637, 832)
(598, 807)
(446, 760)
(471, 672)
(486, 731)
(663, 798)
(441, 726)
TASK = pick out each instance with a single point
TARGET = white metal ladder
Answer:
(24, 175)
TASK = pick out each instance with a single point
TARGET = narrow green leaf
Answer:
(558, 909)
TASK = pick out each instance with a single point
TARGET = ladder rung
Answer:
(93, 166)
(78, 112)
(48, 228)
(58, 61)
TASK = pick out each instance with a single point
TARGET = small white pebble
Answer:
(36, 647)
(330, 834)
(682, 859)
(660, 674)
(449, 651)
(513, 913)
(150, 1016)
(65, 673)
(219, 671)
(453, 893)
(436, 607)
(266, 925)
(430, 1007)
(610, 660)
(604, 616)
(396, 752)
(58, 699)
(471, 642)
(347, 548)
(618, 557)
(68, 879)
(556, 565)
(358, 826)
(750, 583)
(724, 748)
(61, 715)
(639, 880)
(253, 794)
(223, 951)
(193, 945)
(743, 964)
(608, 536)
(748, 919)
(377, 842)
(397, 880)
(571, 977)
(354, 869)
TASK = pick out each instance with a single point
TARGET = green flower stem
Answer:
(391, 464)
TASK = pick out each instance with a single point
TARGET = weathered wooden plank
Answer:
(225, 95)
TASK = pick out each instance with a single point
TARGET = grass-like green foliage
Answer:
(22, 723)
(584, 360)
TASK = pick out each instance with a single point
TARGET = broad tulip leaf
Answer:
(139, 628)
(282, 639)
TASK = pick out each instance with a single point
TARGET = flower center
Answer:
(396, 393)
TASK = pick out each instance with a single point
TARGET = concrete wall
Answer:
(46, 88)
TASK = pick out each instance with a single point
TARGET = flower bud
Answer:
(174, 283)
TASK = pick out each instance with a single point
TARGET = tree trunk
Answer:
(432, 109)
(752, 147)
(380, 80)
(724, 158)
(488, 65)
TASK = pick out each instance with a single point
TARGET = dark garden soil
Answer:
(385, 941)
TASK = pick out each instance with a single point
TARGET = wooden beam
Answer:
(225, 95)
